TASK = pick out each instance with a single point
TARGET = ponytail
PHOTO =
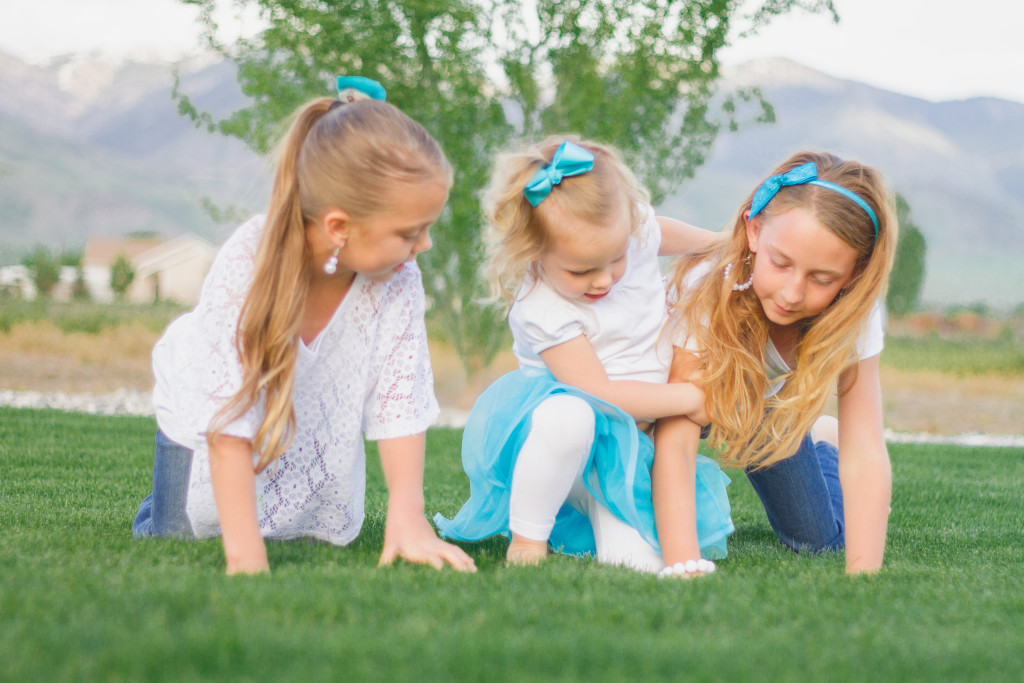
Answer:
(332, 156)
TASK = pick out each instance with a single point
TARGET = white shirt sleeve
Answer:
(542, 320)
(196, 361)
(401, 402)
(872, 339)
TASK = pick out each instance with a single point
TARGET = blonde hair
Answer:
(520, 233)
(731, 331)
(333, 155)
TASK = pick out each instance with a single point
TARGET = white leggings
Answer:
(549, 474)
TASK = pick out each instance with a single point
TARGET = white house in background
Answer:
(164, 270)
(17, 281)
(173, 270)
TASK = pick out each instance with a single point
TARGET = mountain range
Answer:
(89, 147)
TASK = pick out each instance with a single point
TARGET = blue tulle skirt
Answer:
(618, 473)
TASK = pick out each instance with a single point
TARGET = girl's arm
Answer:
(678, 237)
(864, 470)
(674, 475)
(234, 491)
(407, 533)
(576, 363)
(673, 487)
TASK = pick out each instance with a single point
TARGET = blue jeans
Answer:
(162, 513)
(803, 499)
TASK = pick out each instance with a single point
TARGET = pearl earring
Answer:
(331, 265)
(744, 286)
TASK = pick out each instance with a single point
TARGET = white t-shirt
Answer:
(624, 327)
(368, 372)
(869, 343)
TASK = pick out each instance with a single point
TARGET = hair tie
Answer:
(570, 159)
(355, 88)
(807, 174)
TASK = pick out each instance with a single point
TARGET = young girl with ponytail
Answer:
(309, 333)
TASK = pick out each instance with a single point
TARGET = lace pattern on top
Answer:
(369, 370)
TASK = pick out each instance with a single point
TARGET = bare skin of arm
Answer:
(673, 475)
(576, 363)
(864, 469)
(407, 533)
(234, 491)
(678, 237)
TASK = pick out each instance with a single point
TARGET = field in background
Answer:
(946, 373)
(82, 601)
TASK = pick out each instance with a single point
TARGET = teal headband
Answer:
(352, 88)
(570, 159)
(806, 174)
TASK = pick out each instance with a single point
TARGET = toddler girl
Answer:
(553, 450)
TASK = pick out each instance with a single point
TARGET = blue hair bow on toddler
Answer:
(570, 159)
(353, 88)
(807, 174)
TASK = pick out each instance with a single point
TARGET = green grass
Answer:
(88, 317)
(81, 600)
(962, 357)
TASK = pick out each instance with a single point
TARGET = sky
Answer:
(933, 49)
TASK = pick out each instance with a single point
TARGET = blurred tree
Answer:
(44, 267)
(122, 274)
(73, 258)
(908, 270)
(640, 74)
(80, 289)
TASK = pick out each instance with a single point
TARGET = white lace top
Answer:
(368, 372)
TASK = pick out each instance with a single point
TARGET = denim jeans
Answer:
(162, 513)
(803, 499)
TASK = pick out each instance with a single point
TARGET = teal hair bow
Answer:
(801, 175)
(351, 88)
(570, 159)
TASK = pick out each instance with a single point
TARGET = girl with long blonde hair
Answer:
(308, 335)
(770, 322)
(554, 452)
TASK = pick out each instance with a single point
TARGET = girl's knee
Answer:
(564, 414)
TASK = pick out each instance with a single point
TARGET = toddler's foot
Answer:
(525, 551)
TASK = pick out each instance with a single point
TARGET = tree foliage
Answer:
(122, 274)
(44, 267)
(908, 270)
(642, 75)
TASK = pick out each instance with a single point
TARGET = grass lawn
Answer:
(81, 600)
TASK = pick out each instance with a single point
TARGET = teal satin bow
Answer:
(360, 84)
(801, 175)
(570, 159)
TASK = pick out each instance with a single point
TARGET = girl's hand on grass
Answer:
(254, 562)
(414, 540)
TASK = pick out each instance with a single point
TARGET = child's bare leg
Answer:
(553, 455)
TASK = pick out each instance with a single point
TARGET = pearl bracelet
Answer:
(687, 568)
